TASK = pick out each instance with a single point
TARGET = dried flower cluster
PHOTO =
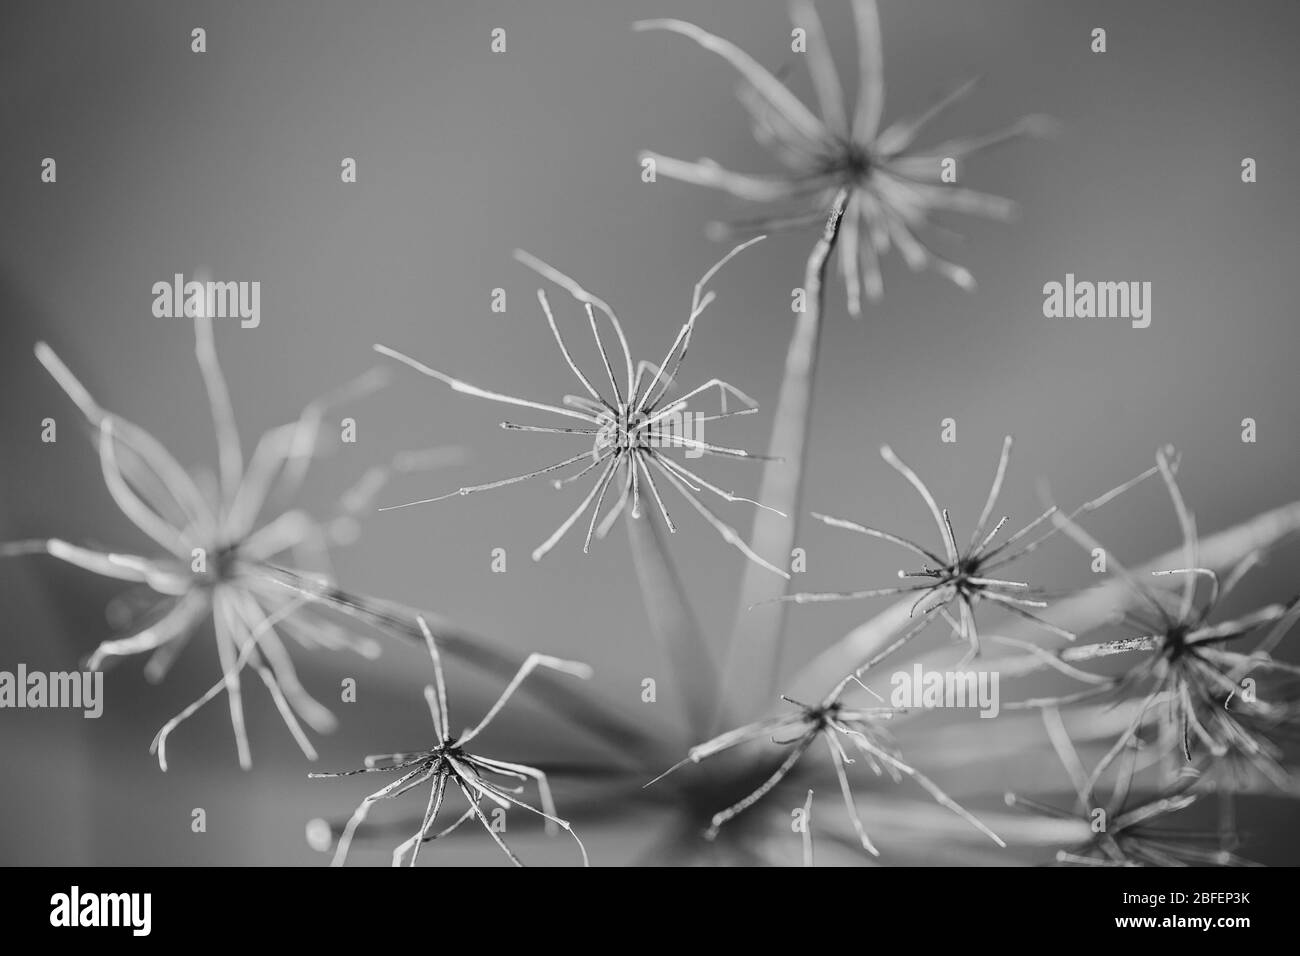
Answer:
(1187, 702)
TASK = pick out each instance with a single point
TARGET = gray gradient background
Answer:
(169, 161)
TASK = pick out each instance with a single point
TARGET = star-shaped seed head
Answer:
(632, 425)
(894, 187)
(448, 763)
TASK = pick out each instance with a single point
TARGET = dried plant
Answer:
(964, 575)
(1190, 680)
(876, 190)
(872, 189)
(593, 718)
(766, 760)
(630, 428)
(217, 546)
(893, 187)
(755, 643)
(447, 763)
(1121, 833)
(828, 720)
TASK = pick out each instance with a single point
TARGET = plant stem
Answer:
(575, 703)
(673, 622)
(753, 656)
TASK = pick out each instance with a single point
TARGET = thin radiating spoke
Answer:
(871, 71)
(229, 454)
(472, 489)
(950, 545)
(466, 388)
(585, 297)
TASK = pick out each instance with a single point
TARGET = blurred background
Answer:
(229, 161)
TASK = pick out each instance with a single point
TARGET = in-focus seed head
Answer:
(632, 424)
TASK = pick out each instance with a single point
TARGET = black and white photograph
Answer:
(650, 433)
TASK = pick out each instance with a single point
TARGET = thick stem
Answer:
(753, 656)
(673, 623)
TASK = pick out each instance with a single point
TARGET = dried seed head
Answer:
(894, 186)
(217, 545)
(632, 426)
(448, 763)
(950, 584)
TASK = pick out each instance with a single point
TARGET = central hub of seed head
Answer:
(623, 432)
(963, 571)
(1175, 642)
(821, 715)
(218, 564)
(858, 164)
